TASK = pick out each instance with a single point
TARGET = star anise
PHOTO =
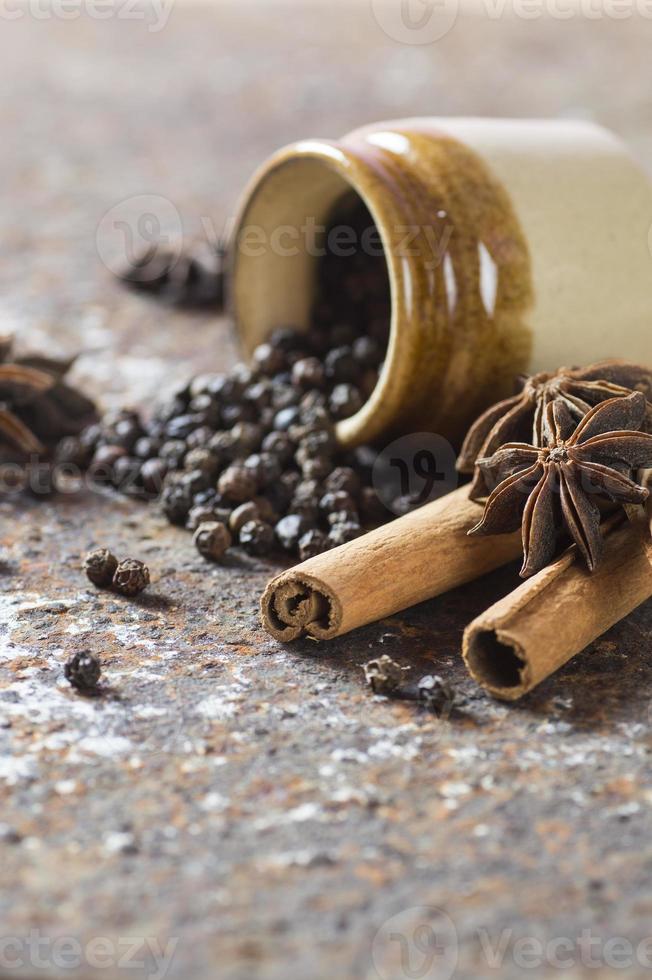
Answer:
(190, 277)
(550, 489)
(37, 408)
(521, 418)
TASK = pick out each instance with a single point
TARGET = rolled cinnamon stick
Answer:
(414, 558)
(541, 625)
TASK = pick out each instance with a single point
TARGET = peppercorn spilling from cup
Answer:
(254, 450)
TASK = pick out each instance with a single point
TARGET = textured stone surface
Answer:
(257, 806)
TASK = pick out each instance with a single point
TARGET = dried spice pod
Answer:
(37, 407)
(192, 277)
(100, 567)
(131, 577)
(83, 671)
(554, 488)
(521, 418)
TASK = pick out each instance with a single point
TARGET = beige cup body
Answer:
(511, 245)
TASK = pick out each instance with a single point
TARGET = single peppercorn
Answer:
(289, 529)
(313, 543)
(340, 364)
(257, 538)
(268, 358)
(343, 533)
(212, 539)
(308, 373)
(131, 577)
(82, 670)
(345, 400)
(152, 475)
(343, 478)
(100, 566)
(237, 483)
(176, 500)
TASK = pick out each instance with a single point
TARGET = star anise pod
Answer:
(37, 407)
(190, 278)
(550, 489)
(521, 418)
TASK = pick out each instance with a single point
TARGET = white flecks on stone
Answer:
(17, 769)
(214, 802)
(105, 746)
(120, 842)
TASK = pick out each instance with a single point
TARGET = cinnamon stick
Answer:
(414, 558)
(541, 625)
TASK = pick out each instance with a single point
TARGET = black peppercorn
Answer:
(176, 501)
(265, 468)
(345, 400)
(367, 351)
(103, 462)
(340, 364)
(199, 437)
(131, 577)
(342, 533)
(316, 468)
(286, 417)
(306, 498)
(279, 444)
(212, 539)
(313, 543)
(268, 358)
(257, 538)
(237, 483)
(289, 529)
(202, 459)
(308, 373)
(372, 508)
(83, 671)
(223, 445)
(343, 478)
(247, 437)
(173, 451)
(100, 567)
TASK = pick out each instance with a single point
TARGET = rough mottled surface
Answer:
(252, 805)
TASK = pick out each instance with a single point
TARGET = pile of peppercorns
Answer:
(250, 457)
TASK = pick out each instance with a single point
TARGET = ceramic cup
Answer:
(511, 246)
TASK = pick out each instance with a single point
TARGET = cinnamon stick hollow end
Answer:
(536, 629)
(297, 604)
(498, 662)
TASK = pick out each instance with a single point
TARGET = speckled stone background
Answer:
(230, 808)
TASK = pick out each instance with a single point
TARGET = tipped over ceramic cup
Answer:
(511, 246)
